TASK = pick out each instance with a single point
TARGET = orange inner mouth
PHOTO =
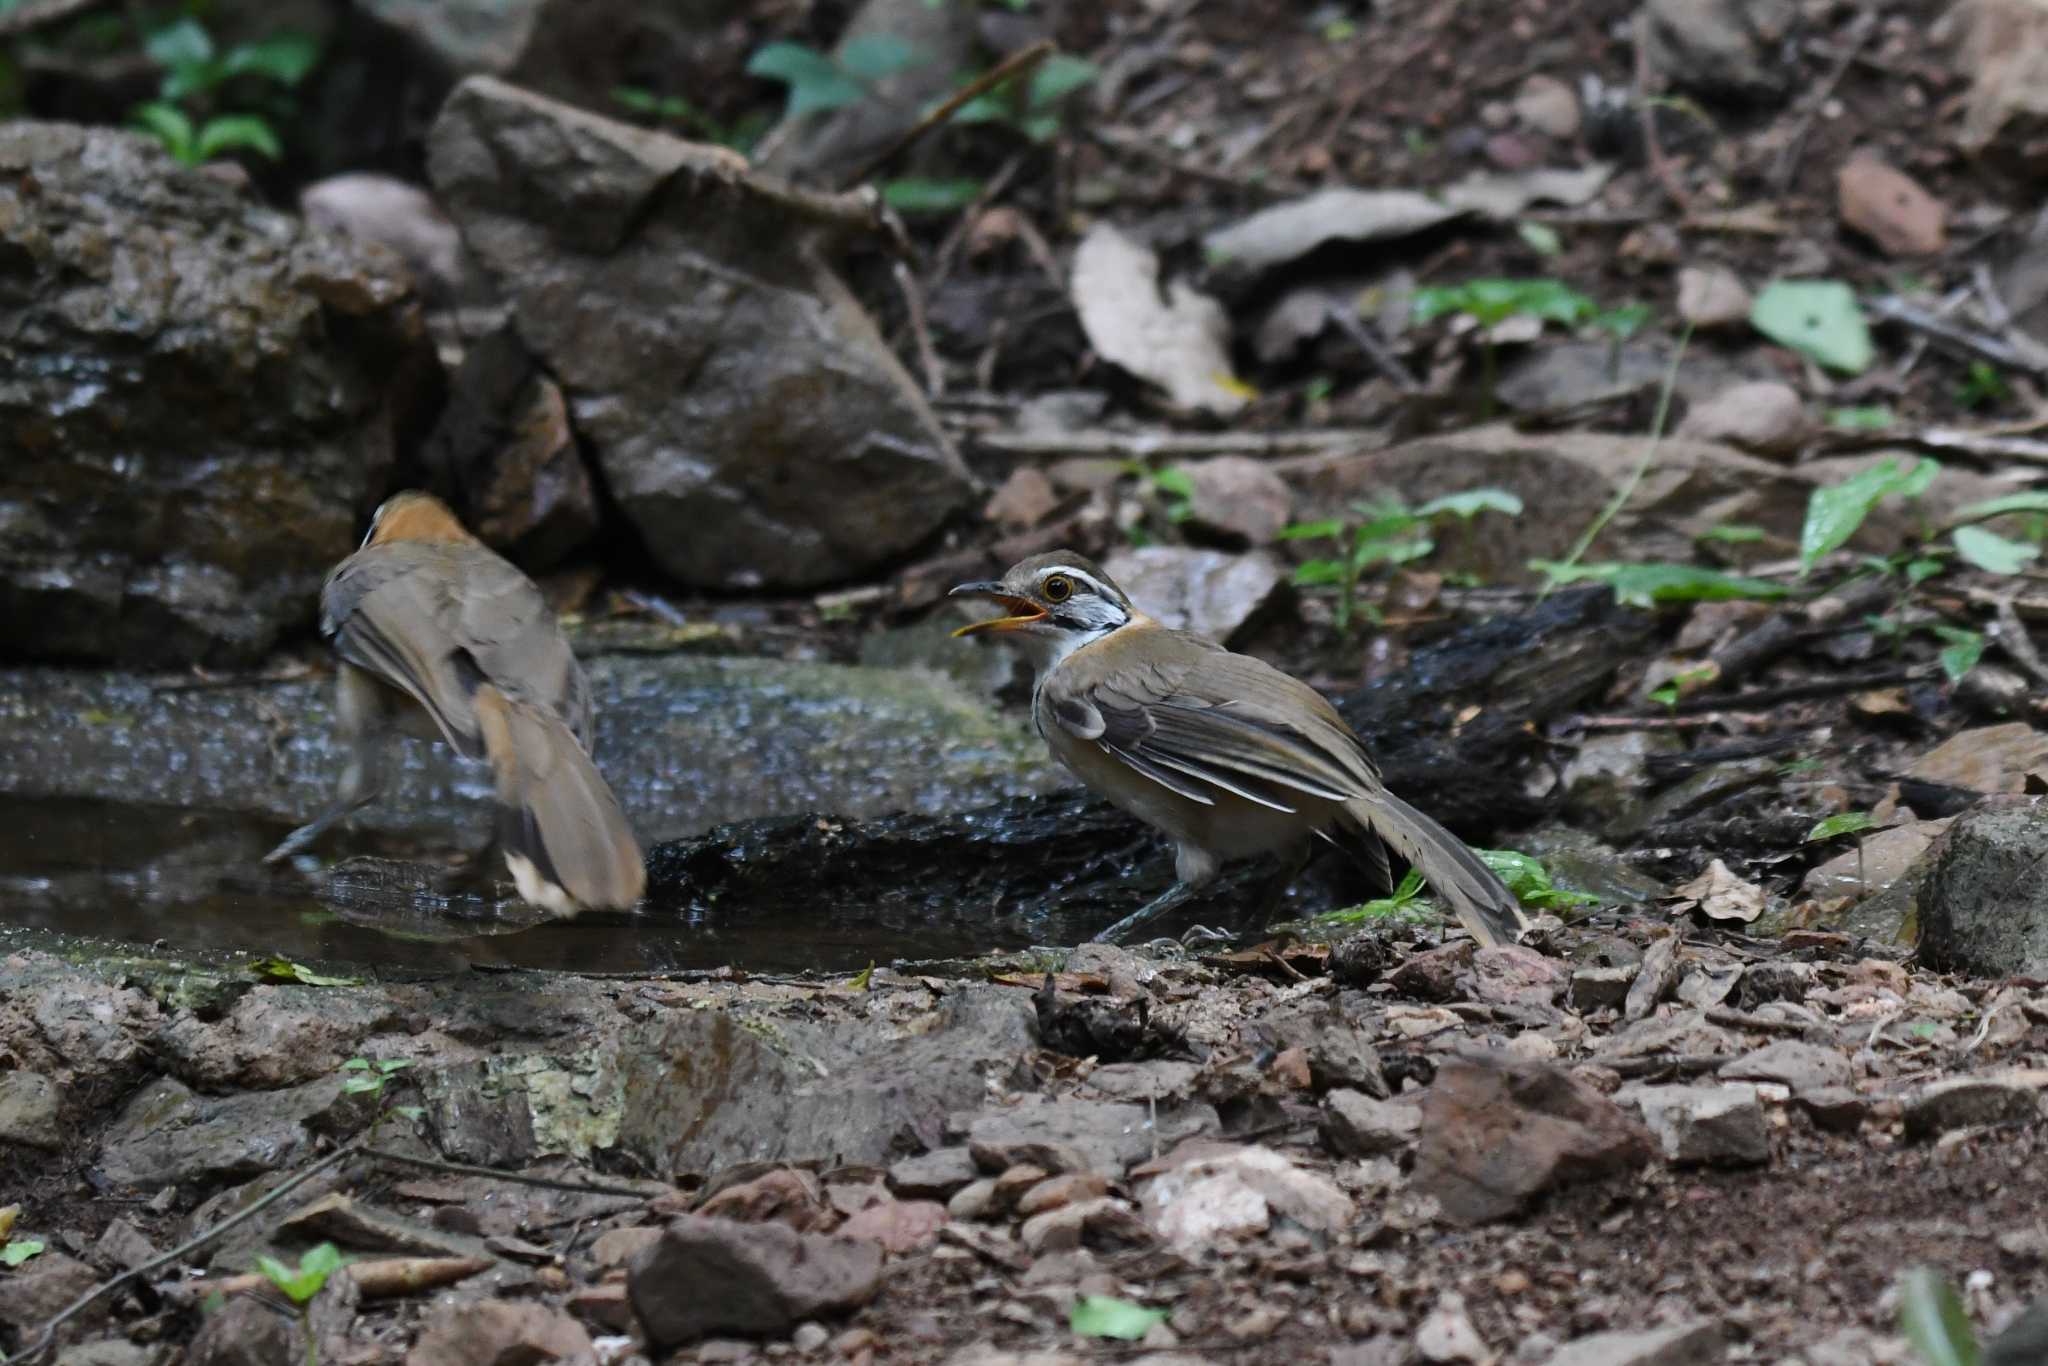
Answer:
(1022, 612)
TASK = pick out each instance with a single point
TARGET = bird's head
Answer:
(414, 516)
(1052, 604)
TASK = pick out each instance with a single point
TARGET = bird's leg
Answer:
(359, 719)
(1275, 890)
(1159, 905)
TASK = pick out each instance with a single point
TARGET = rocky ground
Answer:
(1628, 1143)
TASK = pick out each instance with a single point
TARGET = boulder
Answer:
(1983, 907)
(202, 399)
(747, 417)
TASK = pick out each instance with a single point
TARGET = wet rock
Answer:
(1801, 1066)
(1356, 1125)
(823, 737)
(1685, 1344)
(933, 1175)
(703, 1091)
(1713, 296)
(1727, 49)
(1890, 208)
(504, 451)
(499, 1333)
(29, 1106)
(1209, 592)
(1983, 905)
(168, 1135)
(709, 1276)
(394, 214)
(33, 1293)
(244, 1332)
(1762, 416)
(1717, 1125)
(1079, 1135)
(1239, 499)
(1495, 1134)
(748, 419)
(1966, 1102)
(204, 399)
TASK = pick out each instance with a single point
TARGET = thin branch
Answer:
(1016, 64)
(517, 1178)
(1140, 445)
(1787, 169)
(2014, 350)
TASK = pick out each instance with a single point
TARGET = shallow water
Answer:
(194, 882)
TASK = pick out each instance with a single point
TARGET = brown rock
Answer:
(499, 1333)
(709, 1276)
(1434, 975)
(1516, 975)
(1239, 499)
(1209, 592)
(1762, 416)
(1494, 1134)
(1716, 1125)
(1025, 499)
(1713, 296)
(604, 1305)
(1548, 105)
(619, 1246)
(785, 1195)
(34, 1292)
(2004, 53)
(245, 1333)
(897, 1226)
(933, 1175)
(1890, 207)
(1066, 1189)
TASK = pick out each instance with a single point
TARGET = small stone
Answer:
(1890, 208)
(1357, 1125)
(1835, 1108)
(975, 1200)
(1687, 1344)
(809, 1337)
(1722, 1125)
(123, 1245)
(1763, 416)
(897, 1226)
(768, 1278)
(1966, 1102)
(34, 1292)
(1012, 1184)
(1105, 1223)
(106, 1352)
(1433, 976)
(29, 1104)
(934, 1175)
(1600, 988)
(1713, 296)
(618, 1246)
(498, 1333)
(1239, 499)
(1067, 1189)
(1789, 1062)
(1515, 975)
(1548, 105)
(786, 1195)
(603, 1305)
(243, 1332)
(1025, 499)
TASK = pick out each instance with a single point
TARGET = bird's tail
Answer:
(565, 839)
(1483, 903)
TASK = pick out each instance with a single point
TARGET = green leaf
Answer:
(989, 107)
(1530, 881)
(1175, 481)
(1817, 318)
(1932, 1318)
(19, 1250)
(1842, 823)
(637, 98)
(232, 132)
(1057, 77)
(415, 1113)
(1103, 1316)
(1993, 507)
(1834, 513)
(1870, 418)
(1471, 503)
(1919, 571)
(1962, 653)
(877, 56)
(1666, 694)
(285, 58)
(180, 43)
(913, 194)
(1540, 238)
(168, 124)
(1318, 573)
(303, 1282)
(1494, 301)
(1621, 323)
(1981, 385)
(814, 82)
(1642, 585)
(1991, 552)
(1732, 533)
(284, 970)
(1311, 531)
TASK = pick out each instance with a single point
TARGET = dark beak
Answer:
(1020, 611)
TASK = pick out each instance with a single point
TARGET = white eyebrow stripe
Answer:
(1080, 574)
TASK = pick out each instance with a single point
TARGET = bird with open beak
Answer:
(1226, 754)
(442, 638)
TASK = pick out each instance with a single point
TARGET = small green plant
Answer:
(1874, 417)
(1841, 823)
(301, 1283)
(366, 1078)
(1820, 319)
(819, 81)
(1104, 1316)
(1492, 302)
(1682, 682)
(1031, 105)
(1932, 1318)
(677, 112)
(187, 118)
(19, 1250)
(285, 970)
(1530, 881)
(1405, 903)
(1835, 512)
(1646, 585)
(1982, 386)
(1384, 533)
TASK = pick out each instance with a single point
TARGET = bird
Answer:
(1227, 755)
(442, 638)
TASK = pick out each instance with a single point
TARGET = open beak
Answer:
(1021, 611)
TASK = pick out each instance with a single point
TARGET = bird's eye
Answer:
(1058, 588)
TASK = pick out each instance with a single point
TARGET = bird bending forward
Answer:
(441, 638)
(1226, 754)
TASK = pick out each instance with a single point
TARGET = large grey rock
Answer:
(1722, 1125)
(168, 1135)
(199, 396)
(1984, 905)
(686, 741)
(748, 418)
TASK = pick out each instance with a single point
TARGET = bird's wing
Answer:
(505, 624)
(1198, 719)
(391, 609)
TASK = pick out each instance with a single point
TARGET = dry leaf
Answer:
(1179, 341)
(1721, 895)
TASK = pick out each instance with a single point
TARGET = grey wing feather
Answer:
(391, 619)
(517, 643)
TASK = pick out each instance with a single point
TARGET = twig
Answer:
(1116, 140)
(2011, 634)
(31, 14)
(1016, 64)
(920, 334)
(1646, 110)
(1606, 724)
(1985, 445)
(42, 1340)
(1803, 692)
(956, 236)
(1376, 351)
(2013, 351)
(516, 1178)
(1141, 445)
(1752, 650)
(1787, 169)
(1635, 476)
